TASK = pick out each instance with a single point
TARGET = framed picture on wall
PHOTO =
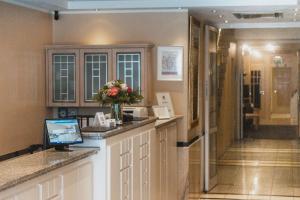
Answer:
(193, 69)
(169, 63)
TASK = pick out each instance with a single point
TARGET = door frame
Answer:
(208, 183)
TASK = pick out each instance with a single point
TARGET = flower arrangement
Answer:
(117, 92)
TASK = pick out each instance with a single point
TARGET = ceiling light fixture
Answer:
(226, 21)
(220, 16)
(296, 9)
(256, 54)
(214, 11)
(270, 47)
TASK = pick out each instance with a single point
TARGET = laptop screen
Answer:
(63, 131)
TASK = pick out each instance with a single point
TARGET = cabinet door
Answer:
(120, 170)
(63, 77)
(130, 66)
(78, 183)
(168, 161)
(52, 189)
(141, 166)
(171, 162)
(95, 72)
(28, 194)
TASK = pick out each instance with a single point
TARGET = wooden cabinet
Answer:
(73, 182)
(168, 161)
(63, 77)
(75, 73)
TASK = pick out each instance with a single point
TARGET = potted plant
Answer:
(117, 93)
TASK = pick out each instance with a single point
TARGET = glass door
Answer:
(211, 37)
(281, 90)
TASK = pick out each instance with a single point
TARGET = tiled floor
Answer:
(259, 169)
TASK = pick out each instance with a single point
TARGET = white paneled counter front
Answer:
(48, 175)
(137, 161)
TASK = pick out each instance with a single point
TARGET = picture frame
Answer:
(170, 63)
(161, 112)
(164, 99)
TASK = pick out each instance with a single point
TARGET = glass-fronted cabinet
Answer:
(75, 73)
(95, 68)
(63, 77)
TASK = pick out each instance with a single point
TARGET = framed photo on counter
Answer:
(164, 100)
(169, 63)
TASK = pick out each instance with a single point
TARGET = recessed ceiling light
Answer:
(214, 11)
(296, 9)
(220, 16)
(295, 14)
(271, 47)
(226, 21)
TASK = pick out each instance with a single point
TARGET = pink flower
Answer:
(113, 91)
(129, 90)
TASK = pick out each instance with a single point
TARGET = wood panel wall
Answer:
(23, 34)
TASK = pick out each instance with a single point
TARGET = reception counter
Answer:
(124, 163)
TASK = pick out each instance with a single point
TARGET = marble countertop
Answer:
(120, 129)
(161, 122)
(18, 170)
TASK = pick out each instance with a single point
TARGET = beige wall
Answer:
(23, 34)
(169, 28)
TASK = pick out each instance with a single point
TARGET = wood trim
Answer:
(193, 123)
(49, 71)
(81, 46)
(82, 74)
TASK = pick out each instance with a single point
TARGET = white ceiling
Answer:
(209, 10)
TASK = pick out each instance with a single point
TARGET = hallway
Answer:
(259, 169)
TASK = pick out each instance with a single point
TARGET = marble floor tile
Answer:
(283, 191)
(260, 169)
(259, 197)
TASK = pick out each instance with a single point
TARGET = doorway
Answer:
(270, 90)
(265, 160)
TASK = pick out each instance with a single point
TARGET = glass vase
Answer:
(116, 113)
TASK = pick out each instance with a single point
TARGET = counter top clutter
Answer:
(119, 129)
(24, 168)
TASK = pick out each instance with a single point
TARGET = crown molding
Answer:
(124, 11)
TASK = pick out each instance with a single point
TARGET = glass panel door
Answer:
(281, 90)
(95, 73)
(211, 129)
(129, 69)
(64, 82)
